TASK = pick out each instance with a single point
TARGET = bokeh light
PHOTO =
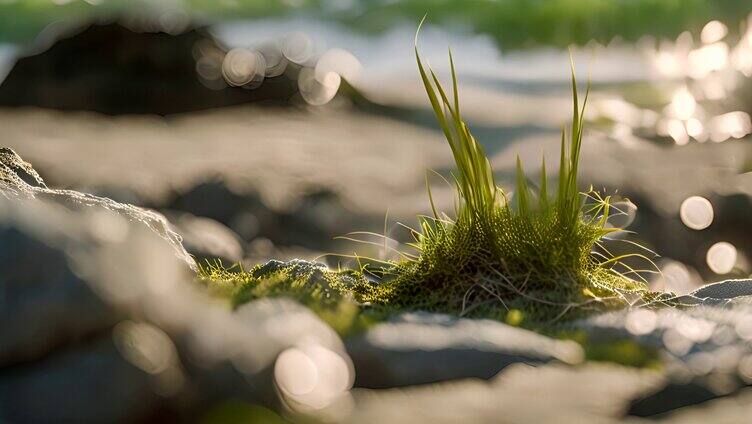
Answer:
(641, 322)
(713, 31)
(696, 212)
(721, 257)
(241, 66)
(312, 377)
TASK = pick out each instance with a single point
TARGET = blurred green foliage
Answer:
(511, 23)
(239, 412)
(522, 23)
(627, 352)
(22, 20)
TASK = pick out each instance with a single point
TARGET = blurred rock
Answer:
(310, 223)
(420, 348)
(114, 70)
(90, 383)
(43, 304)
(730, 409)
(671, 397)
(592, 393)
(207, 239)
(706, 347)
(77, 264)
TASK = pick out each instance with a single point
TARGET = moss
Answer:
(340, 298)
(624, 352)
(236, 411)
(335, 296)
(505, 267)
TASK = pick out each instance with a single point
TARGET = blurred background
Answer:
(263, 129)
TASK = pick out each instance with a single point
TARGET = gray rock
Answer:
(728, 289)
(92, 383)
(43, 307)
(296, 268)
(519, 394)
(419, 348)
(206, 238)
(706, 345)
(730, 409)
(75, 264)
(123, 67)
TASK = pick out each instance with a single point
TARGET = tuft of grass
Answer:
(539, 251)
(527, 257)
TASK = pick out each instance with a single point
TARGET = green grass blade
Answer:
(543, 195)
(523, 202)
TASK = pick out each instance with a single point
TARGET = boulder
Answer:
(115, 70)
(420, 348)
(103, 321)
(207, 239)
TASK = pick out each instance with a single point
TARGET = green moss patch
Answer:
(335, 296)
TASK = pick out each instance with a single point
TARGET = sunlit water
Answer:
(390, 56)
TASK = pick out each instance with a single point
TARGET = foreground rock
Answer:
(115, 305)
(420, 348)
(519, 394)
(706, 347)
(99, 294)
(207, 239)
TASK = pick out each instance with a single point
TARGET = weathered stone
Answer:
(207, 239)
(114, 70)
(420, 348)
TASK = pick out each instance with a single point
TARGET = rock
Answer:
(420, 348)
(671, 397)
(207, 239)
(48, 306)
(43, 307)
(706, 347)
(114, 70)
(310, 223)
(92, 383)
(213, 199)
(519, 394)
(74, 265)
(12, 167)
(296, 268)
(730, 409)
(104, 224)
(728, 289)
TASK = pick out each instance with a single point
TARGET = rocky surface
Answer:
(111, 69)
(43, 307)
(127, 275)
(519, 394)
(207, 239)
(706, 347)
(112, 314)
(421, 348)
